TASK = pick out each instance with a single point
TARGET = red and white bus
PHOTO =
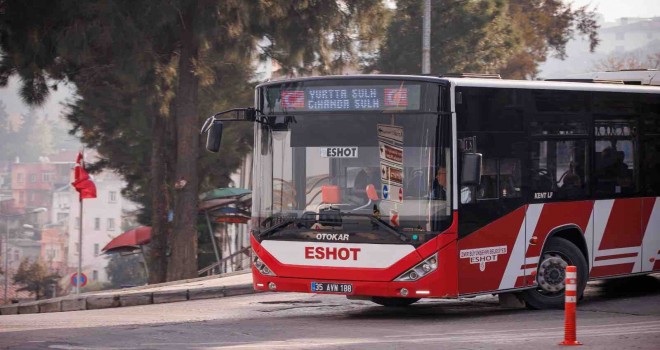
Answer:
(396, 188)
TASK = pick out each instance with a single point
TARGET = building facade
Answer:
(102, 221)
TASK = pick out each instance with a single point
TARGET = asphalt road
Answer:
(616, 314)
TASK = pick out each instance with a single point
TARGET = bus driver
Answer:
(439, 189)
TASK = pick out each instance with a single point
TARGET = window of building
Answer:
(111, 224)
(62, 217)
(96, 249)
(21, 197)
(97, 223)
(95, 275)
(33, 177)
(51, 254)
(46, 177)
(20, 178)
(112, 196)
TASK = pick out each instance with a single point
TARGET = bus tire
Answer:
(550, 276)
(394, 302)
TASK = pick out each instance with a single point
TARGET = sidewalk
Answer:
(220, 286)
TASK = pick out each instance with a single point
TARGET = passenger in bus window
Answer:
(613, 173)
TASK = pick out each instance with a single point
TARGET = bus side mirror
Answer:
(471, 172)
(214, 136)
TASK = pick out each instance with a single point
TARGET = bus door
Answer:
(492, 215)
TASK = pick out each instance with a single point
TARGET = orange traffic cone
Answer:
(570, 327)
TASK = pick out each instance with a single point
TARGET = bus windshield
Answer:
(378, 176)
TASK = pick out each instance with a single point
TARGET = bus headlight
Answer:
(420, 270)
(259, 265)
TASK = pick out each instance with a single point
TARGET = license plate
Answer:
(322, 287)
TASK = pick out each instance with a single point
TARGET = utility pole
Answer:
(5, 254)
(426, 38)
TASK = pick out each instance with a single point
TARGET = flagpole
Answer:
(86, 189)
(80, 230)
(80, 250)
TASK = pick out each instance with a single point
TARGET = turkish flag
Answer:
(82, 182)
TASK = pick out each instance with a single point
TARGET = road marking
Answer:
(477, 336)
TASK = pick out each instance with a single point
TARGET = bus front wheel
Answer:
(551, 274)
(394, 302)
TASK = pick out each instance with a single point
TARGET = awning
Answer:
(224, 193)
(129, 240)
(212, 201)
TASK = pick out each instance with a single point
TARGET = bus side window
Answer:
(558, 166)
(615, 163)
(614, 168)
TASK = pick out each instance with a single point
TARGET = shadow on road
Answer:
(624, 287)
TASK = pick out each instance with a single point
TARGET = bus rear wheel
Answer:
(394, 302)
(551, 275)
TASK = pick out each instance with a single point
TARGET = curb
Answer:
(128, 297)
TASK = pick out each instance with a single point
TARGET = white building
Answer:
(102, 221)
(626, 35)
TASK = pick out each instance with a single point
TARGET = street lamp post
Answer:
(6, 246)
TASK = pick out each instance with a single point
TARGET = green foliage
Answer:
(509, 37)
(35, 278)
(126, 271)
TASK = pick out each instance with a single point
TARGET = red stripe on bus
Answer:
(616, 256)
(610, 270)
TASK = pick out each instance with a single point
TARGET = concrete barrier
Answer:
(135, 299)
(135, 296)
(238, 290)
(11, 309)
(102, 301)
(206, 293)
(170, 296)
(29, 308)
(74, 304)
(54, 305)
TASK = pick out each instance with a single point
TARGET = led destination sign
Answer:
(339, 98)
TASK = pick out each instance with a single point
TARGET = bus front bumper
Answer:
(418, 289)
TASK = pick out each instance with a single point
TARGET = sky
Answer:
(613, 9)
(610, 9)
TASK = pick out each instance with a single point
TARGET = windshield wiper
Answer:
(275, 228)
(380, 222)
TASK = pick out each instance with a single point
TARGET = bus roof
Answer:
(480, 82)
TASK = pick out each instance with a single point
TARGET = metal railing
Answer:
(237, 261)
